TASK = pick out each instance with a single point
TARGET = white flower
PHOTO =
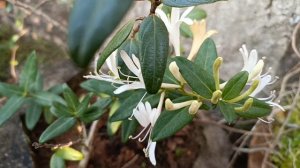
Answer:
(147, 116)
(173, 25)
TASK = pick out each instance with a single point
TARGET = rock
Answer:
(14, 146)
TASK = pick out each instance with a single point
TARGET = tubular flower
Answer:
(147, 116)
(173, 25)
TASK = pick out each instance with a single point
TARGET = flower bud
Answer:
(175, 71)
(194, 107)
(216, 96)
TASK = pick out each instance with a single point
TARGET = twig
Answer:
(13, 63)
(37, 145)
(294, 40)
(128, 164)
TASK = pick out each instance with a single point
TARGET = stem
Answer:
(154, 5)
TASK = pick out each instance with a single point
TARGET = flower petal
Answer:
(152, 152)
(129, 63)
(131, 86)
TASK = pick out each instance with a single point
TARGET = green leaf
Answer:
(71, 98)
(169, 122)
(113, 127)
(83, 105)
(32, 115)
(128, 128)
(10, 108)
(96, 110)
(68, 153)
(154, 52)
(186, 3)
(48, 116)
(90, 24)
(29, 72)
(235, 85)
(9, 90)
(207, 55)
(258, 109)
(228, 111)
(198, 79)
(57, 162)
(60, 110)
(60, 126)
(98, 86)
(115, 43)
(195, 14)
(57, 89)
(46, 98)
(38, 83)
(127, 105)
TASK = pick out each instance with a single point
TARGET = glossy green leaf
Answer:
(96, 110)
(258, 109)
(186, 3)
(90, 24)
(195, 14)
(98, 86)
(46, 98)
(29, 72)
(198, 79)
(71, 98)
(169, 122)
(207, 55)
(57, 162)
(130, 103)
(10, 108)
(228, 111)
(32, 115)
(128, 128)
(235, 85)
(9, 90)
(115, 43)
(68, 153)
(60, 126)
(154, 52)
(61, 110)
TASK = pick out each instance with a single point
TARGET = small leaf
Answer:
(115, 43)
(46, 98)
(57, 89)
(32, 115)
(131, 102)
(60, 126)
(235, 85)
(9, 90)
(48, 116)
(60, 110)
(70, 98)
(258, 109)
(57, 162)
(128, 128)
(37, 83)
(68, 153)
(227, 111)
(83, 105)
(97, 86)
(154, 52)
(96, 110)
(207, 55)
(10, 108)
(186, 3)
(198, 79)
(169, 122)
(29, 72)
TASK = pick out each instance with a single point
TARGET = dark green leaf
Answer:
(96, 110)
(9, 90)
(29, 72)
(97, 86)
(115, 43)
(128, 128)
(60, 110)
(57, 162)
(32, 115)
(227, 111)
(48, 116)
(127, 105)
(60, 126)
(258, 109)
(186, 3)
(154, 52)
(57, 89)
(68, 153)
(235, 85)
(195, 14)
(207, 55)
(169, 122)
(83, 104)
(90, 24)
(10, 108)
(71, 98)
(46, 98)
(198, 79)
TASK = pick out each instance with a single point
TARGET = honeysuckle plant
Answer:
(143, 83)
